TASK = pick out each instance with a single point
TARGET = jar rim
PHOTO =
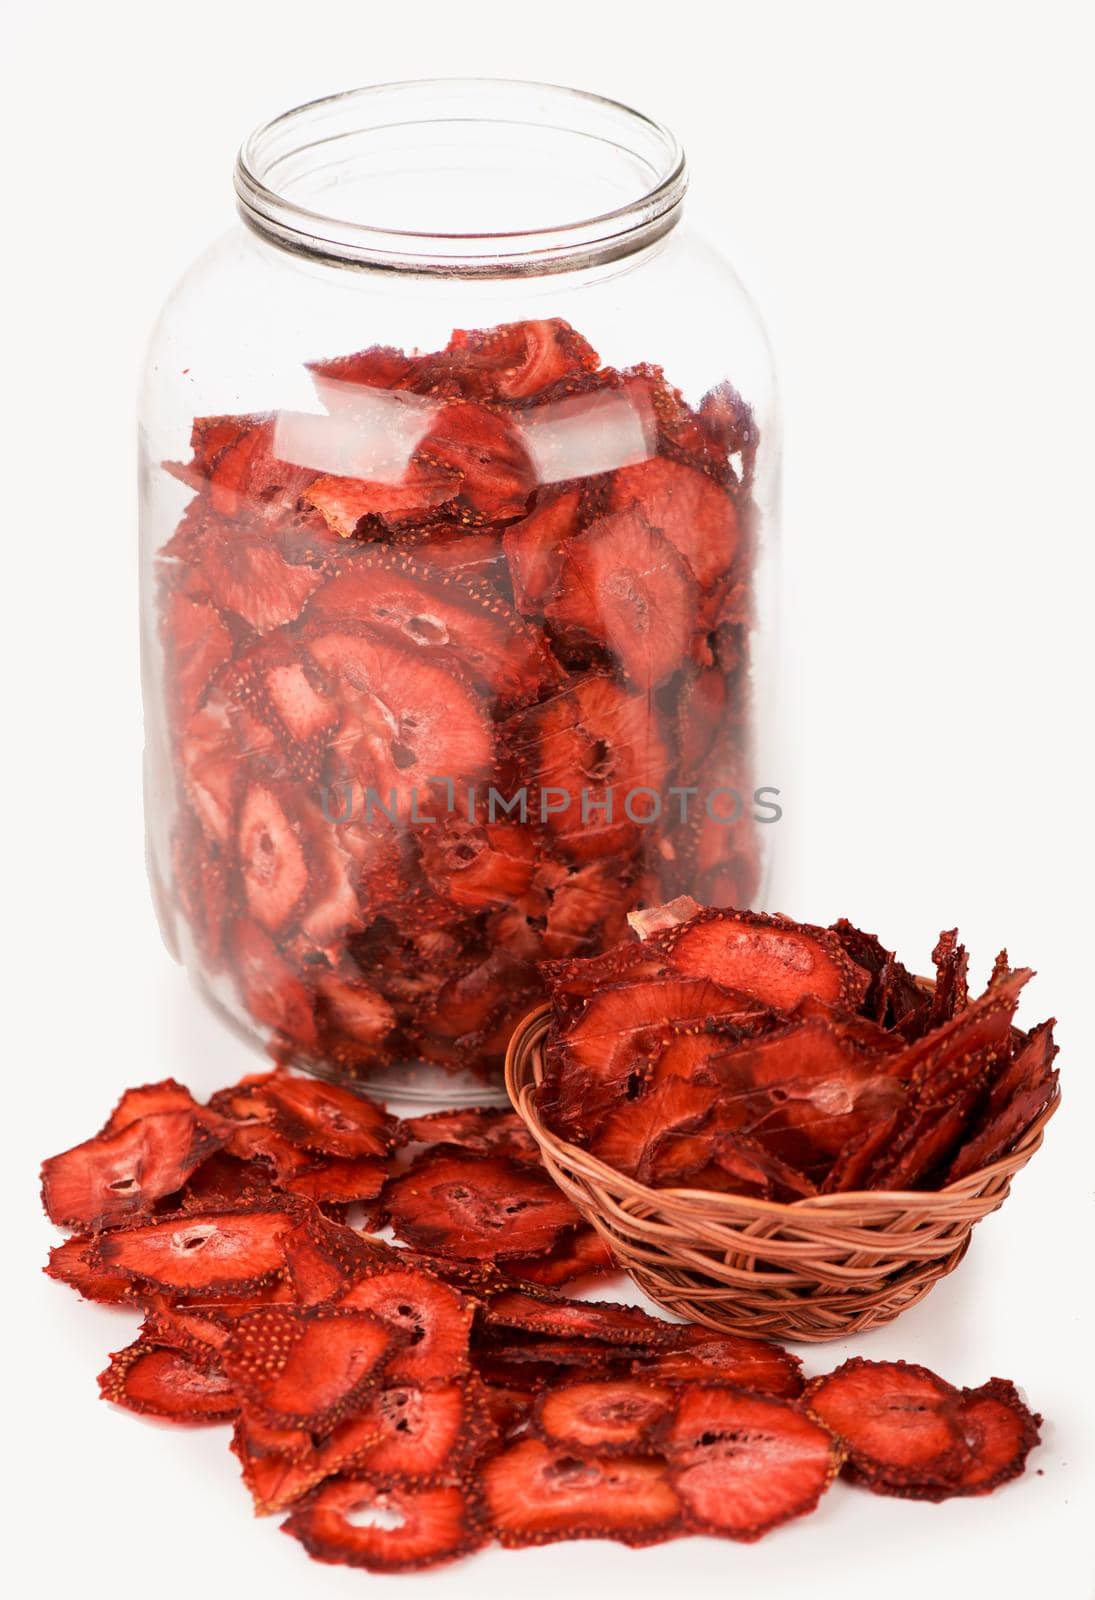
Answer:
(284, 162)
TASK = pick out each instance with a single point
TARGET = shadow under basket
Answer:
(815, 1269)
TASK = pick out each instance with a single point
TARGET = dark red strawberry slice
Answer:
(479, 866)
(1018, 1094)
(353, 1012)
(419, 494)
(697, 516)
(248, 576)
(428, 1432)
(951, 992)
(598, 761)
(306, 1368)
(900, 1424)
(497, 475)
(603, 1416)
(1000, 1432)
(481, 1208)
(770, 958)
(534, 548)
(323, 1257)
(434, 612)
(485, 1130)
(115, 1177)
(604, 1321)
(271, 990)
(581, 1254)
(515, 360)
(435, 1318)
(67, 1265)
(338, 1181)
(378, 367)
(151, 1099)
(623, 588)
(411, 1528)
(196, 645)
(278, 1478)
(860, 1155)
(702, 1355)
(536, 1493)
(630, 1137)
(323, 1117)
(198, 1336)
(247, 479)
(167, 1383)
(272, 855)
(470, 1022)
(199, 1254)
(744, 1463)
(274, 684)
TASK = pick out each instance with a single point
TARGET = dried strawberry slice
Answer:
(306, 1368)
(600, 762)
(1024, 1086)
(479, 866)
(900, 1424)
(603, 1416)
(433, 612)
(482, 1208)
(199, 1253)
(247, 479)
(691, 510)
(340, 1180)
(196, 645)
(536, 1493)
(248, 576)
(624, 588)
(271, 990)
(378, 367)
(951, 993)
(323, 1257)
(277, 1477)
(1000, 1432)
(497, 475)
(631, 1137)
(582, 1254)
(744, 1463)
(701, 1354)
(774, 960)
(323, 1117)
(117, 1176)
(428, 1432)
(605, 1321)
(516, 360)
(422, 492)
(167, 1383)
(67, 1264)
(485, 1130)
(151, 1099)
(924, 1141)
(272, 855)
(199, 1336)
(431, 1526)
(435, 1318)
(534, 549)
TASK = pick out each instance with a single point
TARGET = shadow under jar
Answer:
(457, 503)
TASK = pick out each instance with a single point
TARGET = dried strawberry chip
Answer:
(551, 1356)
(479, 866)
(272, 992)
(323, 1257)
(630, 1138)
(581, 1254)
(324, 1117)
(624, 588)
(166, 1383)
(272, 856)
(67, 1264)
(860, 1156)
(117, 1176)
(340, 1181)
(197, 1335)
(690, 509)
(900, 1424)
(951, 993)
(534, 549)
(423, 491)
(378, 367)
(744, 1463)
(483, 1208)
(516, 360)
(497, 475)
(482, 1129)
(197, 643)
(703, 1355)
(922, 1144)
(603, 1416)
(536, 1493)
(150, 1099)
(435, 1318)
(434, 613)
(277, 1477)
(1018, 1094)
(1000, 1432)
(413, 1528)
(306, 1368)
(249, 577)
(769, 958)
(199, 1253)
(604, 1321)
(428, 1432)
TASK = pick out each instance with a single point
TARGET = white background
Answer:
(906, 189)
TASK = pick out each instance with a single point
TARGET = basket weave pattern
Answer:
(816, 1269)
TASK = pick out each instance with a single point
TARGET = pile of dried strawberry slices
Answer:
(454, 673)
(374, 1305)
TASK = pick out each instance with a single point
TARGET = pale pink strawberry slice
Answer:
(534, 548)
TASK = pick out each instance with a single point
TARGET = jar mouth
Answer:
(468, 177)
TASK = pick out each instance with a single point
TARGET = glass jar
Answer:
(457, 504)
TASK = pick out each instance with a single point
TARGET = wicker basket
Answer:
(815, 1269)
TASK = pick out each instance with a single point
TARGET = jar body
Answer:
(458, 617)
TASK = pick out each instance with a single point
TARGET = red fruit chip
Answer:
(900, 1423)
(776, 962)
(340, 1182)
(118, 1176)
(199, 1253)
(434, 1317)
(689, 508)
(323, 1257)
(1000, 1433)
(481, 1208)
(427, 1431)
(536, 1493)
(167, 1383)
(578, 1319)
(483, 1129)
(704, 1356)
(744, 1463)
(603, 1416)
(150, 1099)
(324, 1117)
(409, 1528)
(581, 1254)
(306, 1369)
(68, 1264)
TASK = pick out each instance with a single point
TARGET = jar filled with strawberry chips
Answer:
(457, 507)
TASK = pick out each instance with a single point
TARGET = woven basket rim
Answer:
(523, 1048)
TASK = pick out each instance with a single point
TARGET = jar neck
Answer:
(463, 178)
